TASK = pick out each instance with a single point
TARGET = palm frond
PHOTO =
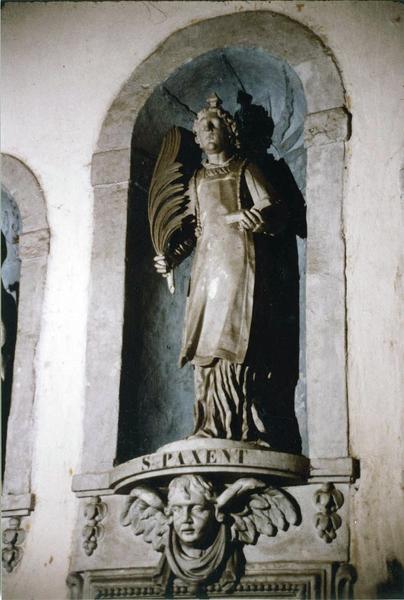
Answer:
(167, 202)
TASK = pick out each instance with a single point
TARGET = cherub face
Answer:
(193, 519)
(213, 136)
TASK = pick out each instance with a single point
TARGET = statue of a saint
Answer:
(228, 330)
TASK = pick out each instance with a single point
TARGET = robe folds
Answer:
(220, 303)
(231, 330)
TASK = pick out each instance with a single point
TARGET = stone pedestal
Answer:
(309, 558)
(223, 458)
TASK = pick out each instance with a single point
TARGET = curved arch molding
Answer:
(23, 186)
(326, 129)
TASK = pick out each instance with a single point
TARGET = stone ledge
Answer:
(326, 127)
(91, 484)
(213, 457)
(208, 456)
(342, 470)
(15, 505)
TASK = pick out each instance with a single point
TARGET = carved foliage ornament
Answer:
(93, 530)
(328, 500)
(13, 537)
(200, 533)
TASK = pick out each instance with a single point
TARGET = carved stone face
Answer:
(193, 519)
(213, 136)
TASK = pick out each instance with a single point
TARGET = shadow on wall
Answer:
(393, 586)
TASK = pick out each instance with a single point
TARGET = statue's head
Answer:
(215, 129)
(191, 510)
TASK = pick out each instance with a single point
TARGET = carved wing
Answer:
(261, 510)
(167, 201)
(144, 512)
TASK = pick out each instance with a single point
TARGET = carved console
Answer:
(203, 517)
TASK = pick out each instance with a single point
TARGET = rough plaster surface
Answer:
(70, 60)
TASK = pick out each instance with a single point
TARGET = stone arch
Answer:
(326, 129)
(24, 188)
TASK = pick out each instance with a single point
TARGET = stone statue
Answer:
(201, 533)
(231, 215)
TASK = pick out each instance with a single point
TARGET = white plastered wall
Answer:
(63, 64)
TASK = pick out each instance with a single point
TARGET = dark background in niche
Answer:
(10, 280)
(156, 397)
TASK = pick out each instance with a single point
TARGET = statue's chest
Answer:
(218, 195)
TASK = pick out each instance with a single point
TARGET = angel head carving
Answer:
(190, 513)
(215, 129)
(200, 532)
(190, 509)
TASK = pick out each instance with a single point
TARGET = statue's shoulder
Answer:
(239, 163)
(196, 177)
(198, 172)
(253, 169)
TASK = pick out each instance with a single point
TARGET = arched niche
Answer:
(156, 397)
(326, 128)
(23, 187)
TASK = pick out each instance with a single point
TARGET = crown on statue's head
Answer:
(213, 101)
(214, 108)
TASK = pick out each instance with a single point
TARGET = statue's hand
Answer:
(161, 265)
(251, 220)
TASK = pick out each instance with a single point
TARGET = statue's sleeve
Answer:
(266, 199)
(184, 239)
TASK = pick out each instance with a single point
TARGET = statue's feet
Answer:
(200, 434)
(259, 442)
(263, 443)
